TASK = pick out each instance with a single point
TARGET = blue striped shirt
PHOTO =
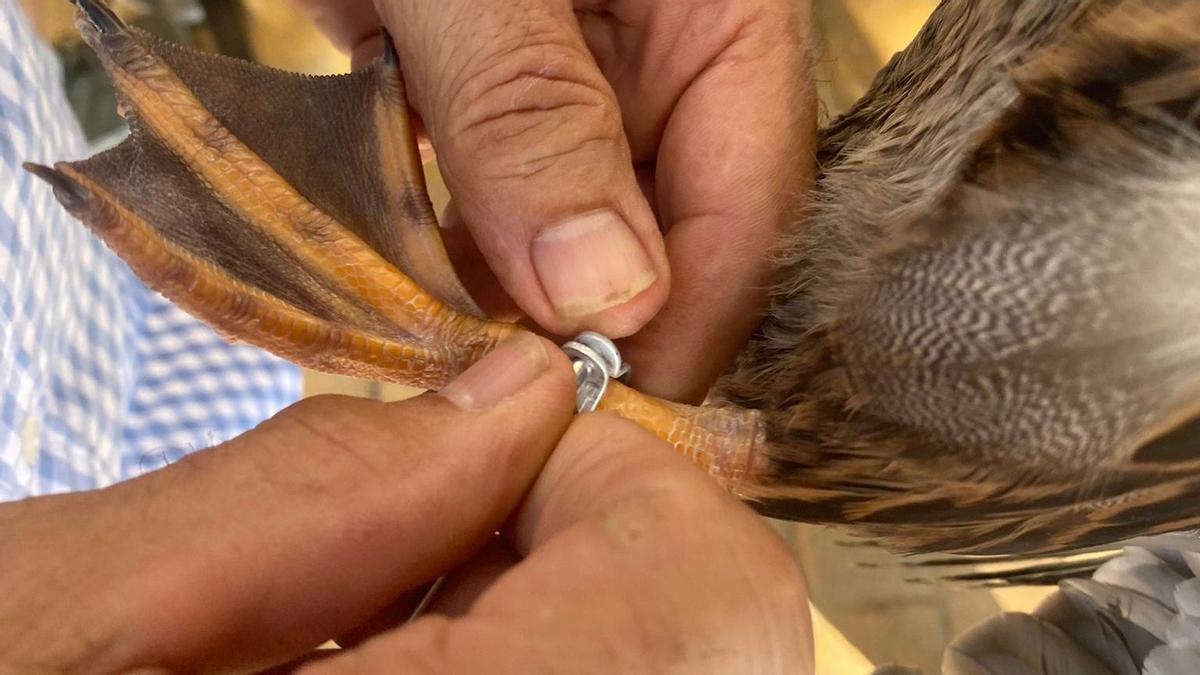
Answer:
(101, 379)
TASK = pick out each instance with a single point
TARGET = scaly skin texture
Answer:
(725, 442)
(237, 309)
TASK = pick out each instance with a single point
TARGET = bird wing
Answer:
(1017, 367)
(287, 211)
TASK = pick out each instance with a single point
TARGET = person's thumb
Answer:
(254, 552)
(530, 139)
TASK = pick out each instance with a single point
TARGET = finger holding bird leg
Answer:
(298, 220)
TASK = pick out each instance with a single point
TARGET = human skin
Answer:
(623, 166)
(616, 554)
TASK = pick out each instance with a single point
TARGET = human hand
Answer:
(321, 522)
(605, 154)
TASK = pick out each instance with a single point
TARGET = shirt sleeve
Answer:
(101, 379)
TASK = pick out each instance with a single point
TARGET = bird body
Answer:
(987, 339)
(986, 336)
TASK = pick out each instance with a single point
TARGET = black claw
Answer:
(104, 19)
(390, 56)
(69, 193)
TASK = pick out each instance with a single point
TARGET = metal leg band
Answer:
(596, 360)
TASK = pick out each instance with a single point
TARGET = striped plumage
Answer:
(987, 340)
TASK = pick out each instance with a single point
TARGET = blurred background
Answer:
(871, 608)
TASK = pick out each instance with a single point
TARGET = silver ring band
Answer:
(596, 360)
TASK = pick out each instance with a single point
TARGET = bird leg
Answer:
(291, 212)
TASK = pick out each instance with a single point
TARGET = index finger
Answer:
(735, 161)
(635, 562)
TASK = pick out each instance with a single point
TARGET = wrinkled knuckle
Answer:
(327, 411)
(529, 108)
(319, 404)
(606, 427)
(604, 434)
(612, 450)
(332, 428)
(597, 445)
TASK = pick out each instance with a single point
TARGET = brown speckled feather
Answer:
(989, 341)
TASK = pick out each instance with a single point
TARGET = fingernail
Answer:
(505, 371)
(590, 263)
